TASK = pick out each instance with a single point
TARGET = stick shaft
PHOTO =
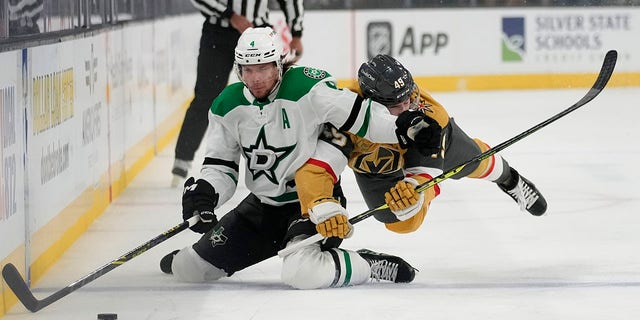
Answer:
(17, 284)
(603, 77)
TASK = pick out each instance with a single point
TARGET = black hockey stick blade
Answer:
(13, 278)
(606, 71)
(20, 288)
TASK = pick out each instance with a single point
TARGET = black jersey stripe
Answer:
(218, 12)
(206, 5)
(355, 110)
(256, 11)
(220, 162)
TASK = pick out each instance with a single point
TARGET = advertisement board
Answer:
(12, 205)
(459, 42)
(54, 125)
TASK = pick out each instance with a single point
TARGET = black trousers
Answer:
(215, 61)
(254, 231)
(248, 234)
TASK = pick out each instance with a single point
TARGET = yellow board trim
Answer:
(515, 82)
(87, 207)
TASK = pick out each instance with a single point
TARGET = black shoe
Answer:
(165, 262)
(525, 194)
(179, 176)
(179, 172)
(388, 267)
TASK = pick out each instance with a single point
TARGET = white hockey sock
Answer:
(497, 170)
(311, 268)
(351, 268)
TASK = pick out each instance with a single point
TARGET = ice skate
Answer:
(165, 262)
(525, 194)
(388, 267)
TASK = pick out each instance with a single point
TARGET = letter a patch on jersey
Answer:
(285, 120)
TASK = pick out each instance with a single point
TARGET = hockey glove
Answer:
(199, 198)
(331, 219)
(404, 201)
(415, 129)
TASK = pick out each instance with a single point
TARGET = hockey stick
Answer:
(24, 294)
(603, 77)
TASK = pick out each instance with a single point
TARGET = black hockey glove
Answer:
(199, 198)
(417, 130)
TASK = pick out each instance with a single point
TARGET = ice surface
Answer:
(479, 257)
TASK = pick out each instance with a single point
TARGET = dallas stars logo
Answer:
(217, 238)
(314, 73)
(263, 159)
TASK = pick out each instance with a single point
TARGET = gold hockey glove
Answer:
(331, 219)
(404, 201)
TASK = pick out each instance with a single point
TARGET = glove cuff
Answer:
(325, 210)
(412, 181)
(204, 187)
(418, 179)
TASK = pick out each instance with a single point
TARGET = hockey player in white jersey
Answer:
(273, 119)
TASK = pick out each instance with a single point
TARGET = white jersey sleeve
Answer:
(222, 157)
(349, 112)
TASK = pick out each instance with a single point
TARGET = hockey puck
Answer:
(107, 316)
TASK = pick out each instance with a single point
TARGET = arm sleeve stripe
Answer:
(365, 124)
(220, 162)
(256, 10)
(209, 7)
(355, 110)
(325, 166)
(293, 12)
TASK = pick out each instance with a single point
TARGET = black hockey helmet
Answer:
(385, 80)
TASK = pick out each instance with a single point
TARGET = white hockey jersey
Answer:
(276, 137)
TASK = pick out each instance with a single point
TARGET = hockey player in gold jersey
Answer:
(389, 172)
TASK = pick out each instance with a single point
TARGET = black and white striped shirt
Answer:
(256, 11)
(25, 11)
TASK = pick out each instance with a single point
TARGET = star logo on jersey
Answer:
(263, 159)
(217, 238)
